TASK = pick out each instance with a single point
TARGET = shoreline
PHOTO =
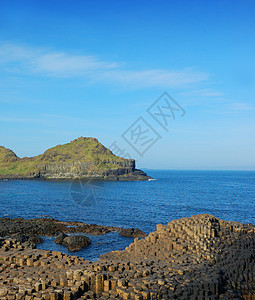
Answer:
(201, 257)
(48, 226)
(82, 179)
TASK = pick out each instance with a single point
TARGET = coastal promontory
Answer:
(82, 158)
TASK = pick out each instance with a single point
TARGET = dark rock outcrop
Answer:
(132, 233)
(28, 232)
(59, 239)
(75, 242)
(49, 227)
(27, 241)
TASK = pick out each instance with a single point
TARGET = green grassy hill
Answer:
(81, 158)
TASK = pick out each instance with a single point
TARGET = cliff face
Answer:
(85, 169)
(81, 158)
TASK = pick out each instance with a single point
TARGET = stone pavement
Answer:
(201, 257)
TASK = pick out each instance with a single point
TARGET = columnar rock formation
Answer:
(200, 257)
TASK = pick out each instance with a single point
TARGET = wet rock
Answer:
(35, 239)
(59, 239)
(1, 241)
(76, 242)
(28, 241)
(133, 233)
(49, 227)
(19, 237)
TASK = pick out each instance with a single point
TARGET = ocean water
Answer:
(229, 195)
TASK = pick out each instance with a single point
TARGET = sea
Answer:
(229, 195)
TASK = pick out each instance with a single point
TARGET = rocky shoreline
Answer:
(137, 175)
(200, 257)
(29, 232)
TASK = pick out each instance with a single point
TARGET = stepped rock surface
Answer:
(83, 158)
(201, 257)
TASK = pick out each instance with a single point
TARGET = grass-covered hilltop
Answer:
(82, 158)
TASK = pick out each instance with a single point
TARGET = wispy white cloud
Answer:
(240, 106)
(229, 107)
(19, 58)
(214, 101)
(161, 78)
(62, 64)
(207, 93)
(203, 93)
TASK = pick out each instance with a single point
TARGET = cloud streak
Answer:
(30, 60)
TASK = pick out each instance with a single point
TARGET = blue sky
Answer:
(92, 68)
